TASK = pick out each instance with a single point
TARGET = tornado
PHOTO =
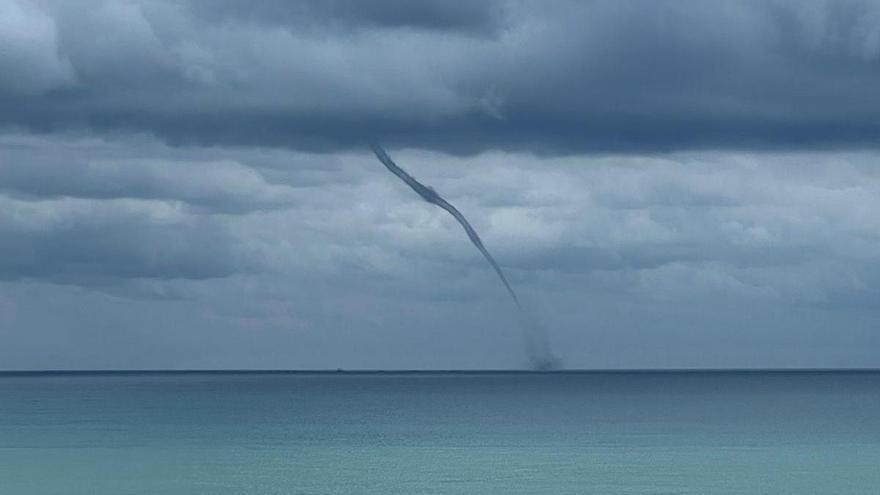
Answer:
(538, 349)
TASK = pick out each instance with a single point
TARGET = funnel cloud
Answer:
(537, 347)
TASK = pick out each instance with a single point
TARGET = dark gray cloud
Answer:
(553, 77)
(84, 243)
(222, 186)
(448, 15)
(98, 214)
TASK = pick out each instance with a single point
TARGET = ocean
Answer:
(440, 433)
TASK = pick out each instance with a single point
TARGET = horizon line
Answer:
(376, 371)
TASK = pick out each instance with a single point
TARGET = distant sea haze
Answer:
(748, 432)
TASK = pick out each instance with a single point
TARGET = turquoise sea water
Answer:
(457, 433)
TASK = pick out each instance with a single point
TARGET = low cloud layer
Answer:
(462, 77)
(614, 252)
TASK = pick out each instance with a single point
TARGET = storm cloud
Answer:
(462, 77)
(668, 184)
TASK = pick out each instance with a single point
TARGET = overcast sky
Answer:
(667, 184)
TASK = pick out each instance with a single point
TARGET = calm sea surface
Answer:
(602, 433)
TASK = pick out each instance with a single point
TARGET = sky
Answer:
(687, 184)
